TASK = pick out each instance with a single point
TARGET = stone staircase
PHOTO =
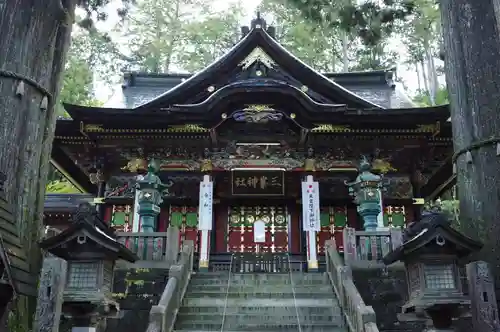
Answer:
(260, 302)
(136, 290)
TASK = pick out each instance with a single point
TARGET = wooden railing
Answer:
(162, 316)
(359, 317)
(148, 246)
(367, 248)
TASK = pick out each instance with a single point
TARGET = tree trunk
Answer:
(426, 81)
(431, 76)
(34, 41)
(419, 80)
(472, 62)
(345, 51)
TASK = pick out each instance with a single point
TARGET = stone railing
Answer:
(359, 317)
(162, 316)
(148, 246)
(367, 248)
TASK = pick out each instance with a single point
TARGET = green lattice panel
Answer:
(394, 216)
(122, 218)
(186, 218)
(333, 220)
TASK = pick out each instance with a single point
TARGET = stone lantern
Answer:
(366, 191)
(150, 197)
(431, 253)
(90, 248)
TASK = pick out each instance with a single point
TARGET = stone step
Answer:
(259, 276)
(270, 318)
(279, 329)
(238, 302)
(257, 281)
(332, 327)
(325, 310)
(258, 294)
(261, 289)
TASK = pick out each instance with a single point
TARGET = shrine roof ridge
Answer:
(257, 37)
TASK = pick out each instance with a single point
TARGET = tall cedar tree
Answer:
(34, 41)
(472, 62)
(371, 20)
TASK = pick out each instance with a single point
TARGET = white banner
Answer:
(310, 206)
(205, 205)
(259, 231)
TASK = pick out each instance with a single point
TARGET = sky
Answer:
(105, 93)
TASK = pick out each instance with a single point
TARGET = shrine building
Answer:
(247, 131)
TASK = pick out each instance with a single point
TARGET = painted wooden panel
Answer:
(333, 221)
(395, 216)
(294, 212)
(240, 228)
(221, 221)
(186, 218)
(122, 217)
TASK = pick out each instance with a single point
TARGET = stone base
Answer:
(203, 266)
(312, 266)
(83, 329)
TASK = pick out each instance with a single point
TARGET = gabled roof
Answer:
(259, 39)
(375, 86)
(86, 221)
(432, 226)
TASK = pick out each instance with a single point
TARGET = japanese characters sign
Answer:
(258, 183)
(205, 205)
(310, 206)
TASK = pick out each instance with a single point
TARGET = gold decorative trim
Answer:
(187, 128)
(91, 128)
(434, 129)
(258, 108)
(95, 128)
(257, 55)
(331, 128)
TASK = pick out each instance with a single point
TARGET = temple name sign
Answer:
(258, 182)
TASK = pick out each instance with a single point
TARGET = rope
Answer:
(30, 81)
(475, 146)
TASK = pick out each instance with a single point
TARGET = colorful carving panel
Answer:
(122, 217)
(186, 218)
(333, 221)
(394, 216)
(240, 236)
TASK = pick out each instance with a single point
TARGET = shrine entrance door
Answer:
(240, 237)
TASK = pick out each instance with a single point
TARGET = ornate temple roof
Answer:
(376, 87)
(257, 92)
(257, 63)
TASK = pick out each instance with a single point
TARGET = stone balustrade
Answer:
(359, 316)
(162, 316)
(148, 246)
(155, 249)
(365, 249)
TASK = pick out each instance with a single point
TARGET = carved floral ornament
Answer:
(257, 114)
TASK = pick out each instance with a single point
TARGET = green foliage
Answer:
(180, 34)
(211, 37)
(319, 47)
(371, 20)
(422, 97)
(61, 187)
(373, 57)
(77, 87)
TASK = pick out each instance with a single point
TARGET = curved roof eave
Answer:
(259, 37)
(248, 86)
